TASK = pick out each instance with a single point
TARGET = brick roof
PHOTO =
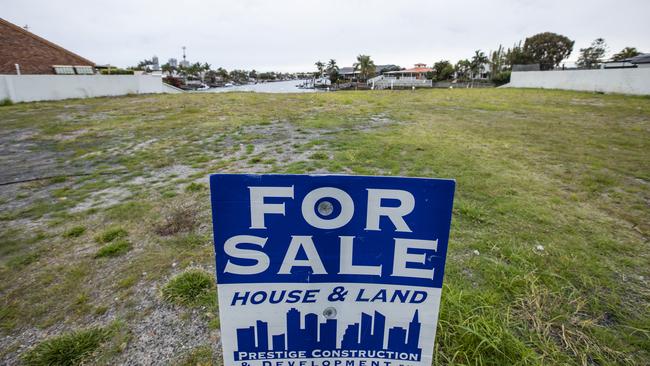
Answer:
(34, 54)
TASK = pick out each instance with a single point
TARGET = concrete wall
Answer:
(29, 88)
(625, 81)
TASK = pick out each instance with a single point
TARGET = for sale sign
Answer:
(329, 270)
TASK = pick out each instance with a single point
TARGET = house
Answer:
(23, 52)
(349, 73)
(640, 61)
(418, 72)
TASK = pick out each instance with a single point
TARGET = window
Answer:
(63, 70)
(84, 70)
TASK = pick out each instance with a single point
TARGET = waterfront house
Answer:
(350, 74)
(418, 72)
(23, 52)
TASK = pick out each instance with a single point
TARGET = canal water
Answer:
(272, 87)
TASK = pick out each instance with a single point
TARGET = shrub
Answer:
(68, 349)
(6, 102)
(194, 287)
(114, 249)
(116, 72)
(111, 234)
(74, 232)
(501, 78)
(180, 216)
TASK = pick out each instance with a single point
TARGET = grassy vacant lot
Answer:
(548, 263)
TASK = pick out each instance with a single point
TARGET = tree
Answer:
(497, 61)
(320, 67)
(389, 68)
(332, 71)
(627, 52)
(143, 65)
(222, 73)
(477, 65)
(462, 69)
(516, 56)
(548, 49)
(443, 70)
(365, 66)
(168, 69)
(592, 56)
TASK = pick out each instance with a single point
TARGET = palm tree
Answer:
(167, 68)
(627, 52)
(462, 69)
(365, 66)
(478, 63)
(320, 66)
(331, 66)
(332, 71)
(496, 62)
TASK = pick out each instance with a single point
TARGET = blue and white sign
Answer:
(329, 270)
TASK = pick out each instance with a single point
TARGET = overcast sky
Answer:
(290, 35)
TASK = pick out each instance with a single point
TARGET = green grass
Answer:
(195, 187)
(114, 249)
(565, 171)
(74, 232)
(111, 234)
(68, 349)
(200, 356)
(194, 287)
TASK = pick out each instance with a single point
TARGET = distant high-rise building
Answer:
(173, 62)
(155, 63)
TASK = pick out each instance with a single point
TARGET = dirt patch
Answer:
(104, 198)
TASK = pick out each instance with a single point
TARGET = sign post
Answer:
(329, 270)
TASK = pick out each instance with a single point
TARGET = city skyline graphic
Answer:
(367, 334)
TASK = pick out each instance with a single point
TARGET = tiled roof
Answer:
(34, 54)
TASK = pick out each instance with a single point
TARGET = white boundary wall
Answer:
(625, 81)
(29, 88)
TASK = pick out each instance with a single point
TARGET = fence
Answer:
(625, 81)
(29, 88)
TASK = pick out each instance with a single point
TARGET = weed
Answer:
(74, 232)
(319, 156)
(195, 187)
(188, 241)
(113, 249)
(128, 211)
(194, 287)
(200, 356)
(111, 234)
(180, 217)
(214, 323)
(68, 349)
(23, 260)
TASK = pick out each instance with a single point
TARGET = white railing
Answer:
(402, 83)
